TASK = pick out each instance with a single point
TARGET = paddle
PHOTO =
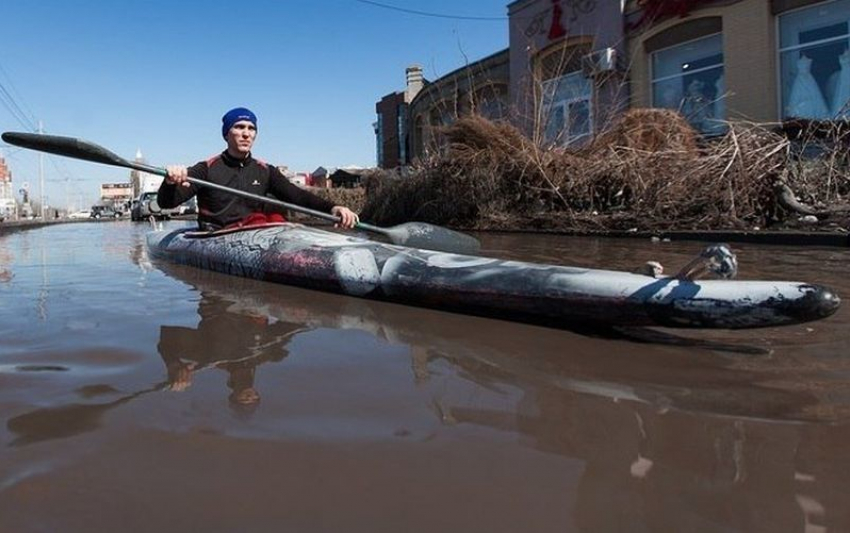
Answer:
(411, 234)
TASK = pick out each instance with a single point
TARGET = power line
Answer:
(427, 13)
(14, 109)
(29, 115)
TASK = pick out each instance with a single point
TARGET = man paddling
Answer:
(236, 168)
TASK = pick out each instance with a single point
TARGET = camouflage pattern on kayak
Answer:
(561, 296)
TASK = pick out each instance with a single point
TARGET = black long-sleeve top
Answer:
(218, 208)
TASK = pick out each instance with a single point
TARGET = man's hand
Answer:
(348, 218)
(177, 175)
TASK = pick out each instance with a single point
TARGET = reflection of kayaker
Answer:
(236, 342)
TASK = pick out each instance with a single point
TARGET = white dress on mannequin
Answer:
(841, 97)
(806, 99)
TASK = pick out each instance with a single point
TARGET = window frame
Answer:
(653, 80)
(564, 136)
(780, 50)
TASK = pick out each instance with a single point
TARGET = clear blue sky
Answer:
(157, 75)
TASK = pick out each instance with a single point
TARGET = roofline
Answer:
(458, 70)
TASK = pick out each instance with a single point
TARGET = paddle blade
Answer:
(431, 237)
(66, 146)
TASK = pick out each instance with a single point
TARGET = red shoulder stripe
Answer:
(213, 160)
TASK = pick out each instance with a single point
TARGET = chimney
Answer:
(415, 82)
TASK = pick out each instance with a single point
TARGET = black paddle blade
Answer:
(67, 146)
(431, 237)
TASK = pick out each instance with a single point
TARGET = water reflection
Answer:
(245, 323)
(669, 441)
(719, 431)
(230, 338)
(5, 260)
(69, 420)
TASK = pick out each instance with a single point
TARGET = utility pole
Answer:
(41, 173)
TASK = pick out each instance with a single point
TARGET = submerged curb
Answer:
(788, 238)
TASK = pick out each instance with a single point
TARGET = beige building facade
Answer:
(757, 60)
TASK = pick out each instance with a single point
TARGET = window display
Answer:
(805, 98)
(689, 78)
(815, 62)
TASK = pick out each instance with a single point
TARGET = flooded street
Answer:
(140, 396)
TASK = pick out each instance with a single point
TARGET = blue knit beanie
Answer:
(235, 115)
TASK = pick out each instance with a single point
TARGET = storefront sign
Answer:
(656, 10)
(555, 14)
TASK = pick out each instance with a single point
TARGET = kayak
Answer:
(551, 295)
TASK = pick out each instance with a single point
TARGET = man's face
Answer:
(241, 138)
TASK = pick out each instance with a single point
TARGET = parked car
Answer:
(189, 207)
(145, 206)
(85, 213)
(104, 211)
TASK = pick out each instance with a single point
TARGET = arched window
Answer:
(491, 101)
(565, 93)
(688, 72)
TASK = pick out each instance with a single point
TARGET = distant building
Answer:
(143, 181)
(118, 195)
(8, 205)
(347, 178)
(391, 130)
(302, 179)
(319, 178)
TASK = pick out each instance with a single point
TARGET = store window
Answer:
(567, 108)
(815, 61)
(689, 78)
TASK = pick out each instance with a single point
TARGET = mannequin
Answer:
(805, 99)
(841, 96)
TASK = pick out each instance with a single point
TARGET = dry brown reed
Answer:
(649, 172)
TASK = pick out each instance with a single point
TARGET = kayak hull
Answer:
(561, 296)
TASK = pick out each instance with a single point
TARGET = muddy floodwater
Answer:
(137, 397)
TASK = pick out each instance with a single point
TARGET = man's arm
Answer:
(175, 190)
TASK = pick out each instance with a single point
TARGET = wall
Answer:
(388, 108)
(537, 26)
(749, 54)
(456, 94)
